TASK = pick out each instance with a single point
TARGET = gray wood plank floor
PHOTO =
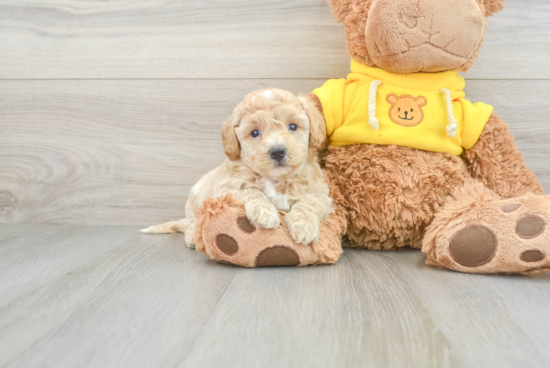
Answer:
(111, 110)
(111, 297)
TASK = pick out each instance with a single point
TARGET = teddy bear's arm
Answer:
(496, 161)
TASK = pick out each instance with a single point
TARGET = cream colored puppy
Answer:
(271, 140)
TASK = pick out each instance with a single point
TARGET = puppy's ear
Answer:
(230, 142)
(493, 6)
(317, 125)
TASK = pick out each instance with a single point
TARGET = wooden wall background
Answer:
(111, 110)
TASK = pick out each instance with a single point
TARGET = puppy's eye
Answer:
(255, 134)
(412, 110)
(399, 109)
(293, 127)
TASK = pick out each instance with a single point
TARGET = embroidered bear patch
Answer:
(406, 110)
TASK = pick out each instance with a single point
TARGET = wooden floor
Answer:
(111, 110)
(111, 297)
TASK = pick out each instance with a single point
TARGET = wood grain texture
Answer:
(53, 251)
(147, 301)
(80, 144)
(128, 152)
(64, 39)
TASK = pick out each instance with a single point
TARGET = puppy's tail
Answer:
(171, 227)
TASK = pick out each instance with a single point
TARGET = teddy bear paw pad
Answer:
(229, 237)
(508, 236)
(277, 256)
(532, 256)
(510, 207)
(473, 246)
(530, 227)
(245, 225)
(227, 244)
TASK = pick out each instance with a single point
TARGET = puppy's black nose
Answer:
(278, 153)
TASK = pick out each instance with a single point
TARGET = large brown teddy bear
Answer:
(411, 162)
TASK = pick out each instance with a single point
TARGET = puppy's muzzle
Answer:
(278, 154)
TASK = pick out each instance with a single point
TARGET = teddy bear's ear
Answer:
(493, 6)
(340, 8)
(230, 142)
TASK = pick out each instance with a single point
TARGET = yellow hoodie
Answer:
(427, 111)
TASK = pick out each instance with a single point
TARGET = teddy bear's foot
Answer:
(224, 233)
(491, 235)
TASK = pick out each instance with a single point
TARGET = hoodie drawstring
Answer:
(373, 91)
(453, 126)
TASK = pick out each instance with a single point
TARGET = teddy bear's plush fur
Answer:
(481, 212)
(398, 196)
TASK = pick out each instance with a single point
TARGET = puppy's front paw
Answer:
(302, 228)
(189, 238)
(263, 215)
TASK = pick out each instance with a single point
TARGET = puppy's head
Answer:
(273, 132)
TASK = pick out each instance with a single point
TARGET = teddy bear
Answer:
(410, 162)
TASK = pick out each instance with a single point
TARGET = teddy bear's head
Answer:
(408, 36)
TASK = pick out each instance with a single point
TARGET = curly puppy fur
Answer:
(271, 140)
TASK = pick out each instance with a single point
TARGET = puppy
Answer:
(271, 141)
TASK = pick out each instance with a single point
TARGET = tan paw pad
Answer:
(227, 244)
(473, 246)
(510, 207)
(532, 256)
(530, 227)
(277, 256)
(245, 225)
